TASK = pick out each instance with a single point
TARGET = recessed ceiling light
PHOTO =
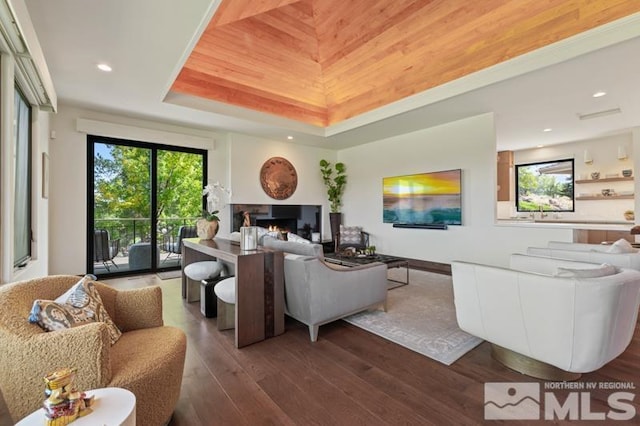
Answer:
(290, 137)
(599, 94)
(104, 67)
(540, 146)
(548, 129)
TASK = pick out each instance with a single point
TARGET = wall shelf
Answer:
(616, 179)
(602, 197)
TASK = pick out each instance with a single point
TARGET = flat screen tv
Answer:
(546, 186)
(423, 199)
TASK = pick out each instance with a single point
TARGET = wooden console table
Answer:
(259, 285)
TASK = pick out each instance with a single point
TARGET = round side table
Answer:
(111, 407)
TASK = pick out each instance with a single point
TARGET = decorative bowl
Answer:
(627, 172)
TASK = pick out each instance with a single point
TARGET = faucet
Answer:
(542, 213)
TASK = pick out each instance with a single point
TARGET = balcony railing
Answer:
(137, 230)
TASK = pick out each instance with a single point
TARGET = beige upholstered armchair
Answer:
(148, 359)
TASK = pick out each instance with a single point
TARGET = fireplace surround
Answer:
(298, 219)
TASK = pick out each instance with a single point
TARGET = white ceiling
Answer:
(146, 42)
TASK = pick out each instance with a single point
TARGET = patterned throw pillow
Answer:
(350, 235)
(81, 304)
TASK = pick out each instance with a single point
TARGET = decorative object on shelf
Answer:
(629, 215)
(595, 175)
(64, 404)
(246, 218)
(622, 153)
(248, 238)
(627, 172)
(335, 188)
(608, 192)
(278, 178)
(207, 226)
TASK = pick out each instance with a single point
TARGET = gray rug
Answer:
(421, 317)
(167, 275)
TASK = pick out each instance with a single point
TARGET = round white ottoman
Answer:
(198, 271)
(226, 293)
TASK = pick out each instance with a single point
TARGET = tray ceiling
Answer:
(324, 61)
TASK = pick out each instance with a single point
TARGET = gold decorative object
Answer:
(207, 229)
(629, 215)
(278, 178)
(64, 404)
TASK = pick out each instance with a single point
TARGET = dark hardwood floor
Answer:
(347, 377)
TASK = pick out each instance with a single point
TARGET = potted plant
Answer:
(207, 226)
(335, 184)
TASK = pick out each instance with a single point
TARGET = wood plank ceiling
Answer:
(324, 61)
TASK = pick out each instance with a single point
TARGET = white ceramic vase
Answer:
(206, 229)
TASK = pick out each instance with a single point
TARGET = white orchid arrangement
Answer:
(215, 192)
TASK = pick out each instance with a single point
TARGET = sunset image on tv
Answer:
(425, 198)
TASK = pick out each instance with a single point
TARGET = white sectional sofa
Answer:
(620, 254)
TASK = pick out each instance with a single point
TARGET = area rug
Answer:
(421, 317)
(167, 275)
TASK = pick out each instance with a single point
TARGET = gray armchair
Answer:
(317, 293)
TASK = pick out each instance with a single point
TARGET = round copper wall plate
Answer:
(278, 178)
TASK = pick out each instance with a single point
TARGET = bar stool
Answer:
(198, 271)
(226, 293)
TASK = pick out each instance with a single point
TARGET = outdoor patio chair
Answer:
(175, 246)
(105, 249)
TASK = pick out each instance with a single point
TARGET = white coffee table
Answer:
(111, 407)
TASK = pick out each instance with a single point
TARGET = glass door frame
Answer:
(154, 148)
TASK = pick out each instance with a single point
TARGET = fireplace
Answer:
(282, 224)
(298, 219)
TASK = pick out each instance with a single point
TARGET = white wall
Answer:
(234, 160)
(466, 144)
(248, 154)
(68, 153)
(604, 152)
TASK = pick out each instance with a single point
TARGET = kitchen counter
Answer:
(567, 224)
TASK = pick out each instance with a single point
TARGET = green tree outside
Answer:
(122, 182)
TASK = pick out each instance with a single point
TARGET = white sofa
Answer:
(317, 293)
(595, 253)
(572, 323)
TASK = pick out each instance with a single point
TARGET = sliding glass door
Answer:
(143, 197)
